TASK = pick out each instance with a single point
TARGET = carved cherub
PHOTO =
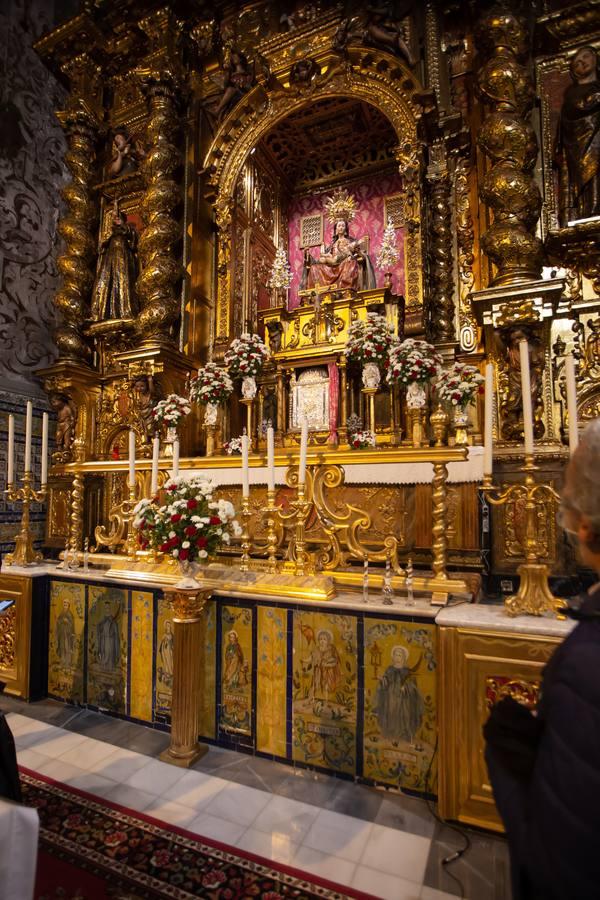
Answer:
(66, 418)
(127, 153)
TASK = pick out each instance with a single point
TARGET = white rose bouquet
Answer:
(211, 385)
(246, 356)
(459, 385)
(413, 362)
(370, 341)
(171, 411)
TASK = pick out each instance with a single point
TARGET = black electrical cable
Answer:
(456, 854)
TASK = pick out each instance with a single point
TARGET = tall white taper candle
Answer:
(131, 458)
(270, 458)
(488, 442)
(28, 429)
(303, 449)
(45, 448)
(245, 467)
(11, 449)
(154, 477)
(526, 393)
(571, 402)
(176, 458)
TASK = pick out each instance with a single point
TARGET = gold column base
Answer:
(417, 432)
(188, 607)
(534, 597)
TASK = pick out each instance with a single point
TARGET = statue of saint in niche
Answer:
(344, 263)
(578, 140)
(113, 296)
(66, 417)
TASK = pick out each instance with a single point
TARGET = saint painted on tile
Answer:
(65, 635)
(399, 706)
(326, 667)
(108, 641)
(236, 672)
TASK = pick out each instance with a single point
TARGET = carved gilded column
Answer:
(467, 324)
(77, 227)
(441, 297)
(223, 219)
(160, 266)
(508, 140)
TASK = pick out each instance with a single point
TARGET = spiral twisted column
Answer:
(160, 266)
(508, 140)
(77, 229)
(442, 310)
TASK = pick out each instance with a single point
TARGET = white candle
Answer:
(303, 448)
(131, 458)
(245, 467)
(154, 478)
(175, 457)
(270, 458)
(526, 392)
(488, 442)
(45, 448)
(11, 449)
(571, 402)
(28, 428)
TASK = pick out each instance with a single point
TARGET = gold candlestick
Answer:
(301, 507)
(246, 544)
(131, 536)
(24, 553)
(271, 512)
(534, 596)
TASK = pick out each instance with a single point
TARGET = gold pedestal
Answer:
(370, 397)
(24, 553)
(210, 439)
(188, 606)
(417, 432)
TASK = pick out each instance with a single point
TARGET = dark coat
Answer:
(550, 797)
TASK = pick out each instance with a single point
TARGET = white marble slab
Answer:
(488, 617)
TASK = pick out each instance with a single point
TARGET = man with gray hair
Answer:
(545, 766)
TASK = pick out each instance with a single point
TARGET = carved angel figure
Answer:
(127, 153)
(66, 417)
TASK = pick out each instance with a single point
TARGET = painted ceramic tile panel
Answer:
(66, 648)
(208, 710)
(271, 664)
(236, 670)
(107, 648)
(142, 615)
(164, 658)
(400, 703)
(324, 690)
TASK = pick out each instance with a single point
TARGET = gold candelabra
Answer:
(245, 516)
(24, 553)
(131, 536)
(534, 596)
(301, 507)
(271, 511)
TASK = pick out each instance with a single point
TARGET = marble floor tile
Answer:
(277, 847)
(483, 871)
(121, 765)
(397, 853)
(56, 744)
(155, 776)
(29, 737)
(168, 811)
(31, 758)
(195, 789)
(355, 800)
(87, 753)
(51, 711)
(317, 791)
(61, 771)
(384, 886)
(148, 741)
(324, 865)
(406, 814)
(93, 783)
(216, 829)
(428, 893)
(338, 835)
(238, 804)
(129, 797)
(287, 818)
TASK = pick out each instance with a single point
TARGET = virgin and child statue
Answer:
(345, 263)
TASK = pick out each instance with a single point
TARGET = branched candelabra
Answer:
(301, 507)
(534, 596)
(24, 553)
(246, 544)
(271, 513)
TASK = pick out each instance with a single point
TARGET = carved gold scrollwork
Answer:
(346, 526)
(8, 637)
(464, 237)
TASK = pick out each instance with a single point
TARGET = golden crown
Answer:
(341, 205)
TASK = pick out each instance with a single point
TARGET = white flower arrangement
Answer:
(413, 362)
(233, 446)
(211, 385)
(459, 385)
(246, 356)
(190, 525)
(361, 440)
(370, 341)
(171, 411)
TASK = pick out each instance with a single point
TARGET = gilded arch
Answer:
(372, 76)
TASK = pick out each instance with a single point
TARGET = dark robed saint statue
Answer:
(578, 140)
(113, 296)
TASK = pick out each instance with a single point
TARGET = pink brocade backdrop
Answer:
(368, 221)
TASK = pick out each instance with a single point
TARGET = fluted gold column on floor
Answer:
(188, 608)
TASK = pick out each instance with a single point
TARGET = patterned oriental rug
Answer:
(91, 849)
